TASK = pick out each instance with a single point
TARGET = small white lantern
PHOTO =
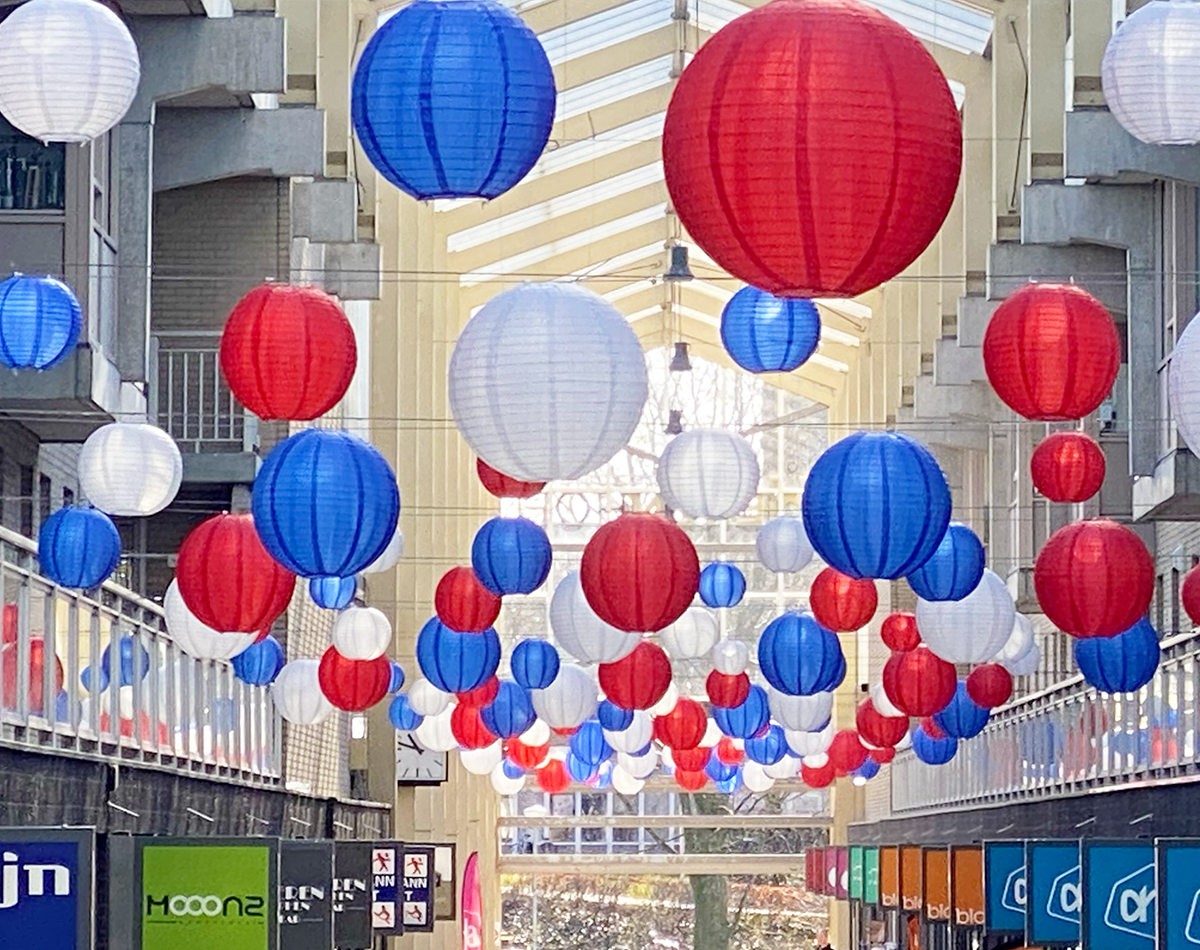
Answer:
(782, 545)
(970, 630)
(883, 705)
(712, 734)
(130, 469)
(537, 734)
(634, 737)
(1184, 384)
(297, 693)
(730, 657)
(818, 761)
(670, 699)
(362, 633)
(435, 733)
(569, 701)
(505, 785)
(425, 699)
(391, 554)
(640, 767)
(708, 473)
(70, 69)
(692, 635)
(482, 761)
(625, 784)
(196, 638)
(806, 744)
(580, 632)
(755, 777)
(1025, 664)
(787, 767)
(800, 713)
(1018, 641)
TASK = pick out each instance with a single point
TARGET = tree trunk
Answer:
(710, 892)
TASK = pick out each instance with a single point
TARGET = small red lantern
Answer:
(930, 727)
(353, 685)
(529, 757)
(1094, 578)
(463, 603)
(691, 781)
(919, 682)
(639, 680)
(846, 752)
(288, 352)
(900, 633)
(468, 728)
(37, 662)
(683, 727)
(1051, 352)
(480, 696)
(842, 603)
(883, 755)
(553, 777)
(878, 729)
(1068, 467)
(817, 776)
(639, 572)
(1189, 594)
(989, 685)
(505, 486)
(564, 730)
(727, 690)
(728, 753)
(691, 760)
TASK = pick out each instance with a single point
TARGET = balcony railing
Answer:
(118, 688)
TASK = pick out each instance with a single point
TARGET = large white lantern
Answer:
(625, 784)
(569, 701)
(535, 735)
(297, 693)
(971, 630)
(782, 545)
(755, 777)
(692, 635)
(425, 699)
(482, 761)
(1151, 71)
(362, 633)
(69, 71)
(129, 468)
(787, 767)
(580, 632)
(800, 713)
(634, 737)
(805, 744)
(391, 554)
(196, 638)
(708, 473)
(547, 381)
(641, 767)
(1184, 385)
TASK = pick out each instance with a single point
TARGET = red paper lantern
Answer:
(900, 633)
(37, 663)
(683, 727)
(227, 578)
(639, 572)
(919, 682)
(766, 161)
(728, 753)
(691, 781)
(989, 685)
(1094, 578)
(878, 729)
(842, 603)
(639, 680)
(817, 776)
(288, 352)
(846, 752)
(882, 755)
(480, 696)
(930, 727)
(529, 757)
(353, 685)
(727, 690)
(1068, 466)
(691, 760)
(1189, 594)
(1051, 352)
(553, 777)
(505, 486)
(468, 728)
(463, 603)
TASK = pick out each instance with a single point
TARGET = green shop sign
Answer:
(870, 875)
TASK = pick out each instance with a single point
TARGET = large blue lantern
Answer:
(722, 584)
(876, 505)
(332, 592)
(78, 547)
(402, 715)
(799, 657)
(933, 751)
(589, 744)
(744, 721)
(260, 662)
(510, 713)
(325, 503)
(1120, 664)
(962, 718)
(453, 99)
(954, 569)
(40, 321)
(511, 556)
(534, 663)
(768, 334)
(767, 749)
(456, 662)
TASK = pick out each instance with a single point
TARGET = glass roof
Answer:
(613, 88)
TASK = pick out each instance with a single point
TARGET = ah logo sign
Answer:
(1191, 929)
(1131, 904)
(38, 894)
(1066, 896)
(1013, 897)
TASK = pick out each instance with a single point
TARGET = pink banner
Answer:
(472, 905)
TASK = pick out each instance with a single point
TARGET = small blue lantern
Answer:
(718, 771)
(78, 547)
(510, 713)
(453, 99)
(402, 715)
(134, 661)
(398, 677)
(744, 721)
(580, 770)
(722, 584)
(933, 751)
(1120, 664)
(85, 677)
(768, 749)
(732, 784)
(512, 771)
(799, 657)
(613, 718)
(954, 569)
(534, 663)
(589, 744)
(456, 662)
(40, 320)
(868, 770)
(511, 555)
(962, 718)
(603, 777)
(260, 662)
(768, 334)
(333, 593)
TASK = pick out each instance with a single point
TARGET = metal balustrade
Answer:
(118, 688)
(1067, 739)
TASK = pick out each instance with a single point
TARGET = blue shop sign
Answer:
(1004, 886)
(46, 888)
(1054, 891)
(1119, 897)
(1177, 862)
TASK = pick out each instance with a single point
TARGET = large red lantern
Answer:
(899, 632)
(842, 603)
(553, 777)
(817, 776)
(467, 727)
(1094, 578)
(37, 661)
(353, 685)
(227, 578)
(683, 727)
(766, 159)
(846, 752)
(505, 486)
(691, 760)
(919, 683)
(463, 603)
(639, 572)
(1051, 352)
(691, 781)
(1068, 467)
(727, 690)
(288, 352)
(989, 685)
(728, 753)
(639, 680)
(878, 729)
(529, 757)
(1190, 594)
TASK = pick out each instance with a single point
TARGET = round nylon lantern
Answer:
(402, 716)
(463, 603)
(763, 333)
(899, 632)
(876, 505)
(362, 633)
(882, 756)
(288, 352)
(1120, 664)
(1051, 352)
(722, 584)
(298, 695)
(842, 603)
(481, 761)
(973, 629)
(1183, 388)
(1189, 594)
(691, 760)
(782, 545)
(1094, 578)
(468, 728)
(436, 733)
(954, 568)
(354, 685)
(259, 663)
(613, 718)
(692, 781)
(625, 784)
(878, 729)
(40, 320)
(78, 547)
(130, 469)
(846, 752)
(398, 678)
(325, 503)
(579, 631)
(511, 556)
(579, 770)
(528, 757)
(1149, 68)
(800, 657)
(534, 664)
(767, 749)
(807, 744)
(453, 99)
(727, 691)
(333, 593)
(691, 636)
(553, 777)
(547, 381)
(683, 727)
(588, 743)
(730, 657)
(933, 751)
(764, 158)
(1026, 663)
(391, 554)
(481, 695)
(639, 680)
(817, 776)
(635, 737)
(989, 685)
(502, 486)
(456, 662)
(196, 638)
(744, 721)
(801, 713)
(569, 701)
(639, 572)
(1068, 467)
(70, 70)
(667, 702)
(426, 699)
(963, 718)
(1018, 642)
(718, 770)
(919, 683)
(708, 473)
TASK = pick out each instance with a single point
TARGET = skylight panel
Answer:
(606, 28)
(599, 145)
(613, 88)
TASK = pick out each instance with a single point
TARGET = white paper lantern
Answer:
(1184, 385)
(130, 469)
(755, 777)
(435, 732)
(634, 737)
(712, 734)
(1151, 71)
(692, 635)
(580, 632)
(667, 757)
(708, 473)
(482, 761)
(362, 633)
(297, 693)
(806, 744)
(547, 381)
(641, 767)
(1018, 641)
(670, 699)
(1025, 664)
(425, 699)
(69, 72)
(883, 705)
(537, 734)
(782, 545)
(625, 784)
(905, 742)
(569, 701)
(970, 630)
(787, 767)
(800, 713)
(505, 785)
(817, 761)
(391, 554)
(196, 638)
(730, 657)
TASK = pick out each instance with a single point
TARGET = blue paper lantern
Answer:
(402, 715)
(1120, 664)
(718, 771)
(453, 99)
(398, 678)
(85, 677)
(534, 663)
(333, 593)
(876, 505)
(731, 784)
(962, 718)
(511, 555)
(799, 657)
(589, 743)
(643, 750)
(456, 662)
(511, 769)
(768, 334)
(134, 661)
(260, 662)
(722, 584)
(510, 713)
(40, 320)
(78, 547)
(933, 751)
(325, 503)
(744, 721)
(613, 718)
(868, 770)
(954, 569)
(767, 749)
(580, 770)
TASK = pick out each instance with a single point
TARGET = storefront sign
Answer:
(889, 877)
(1054, 893)
(935, 883)
(352, 895)
(385, 887)
(46, 888)
(1177, 861)
(472, 905)
(966, 887)
(305, 895)
(1120, 905)
(841, 881)
(870, 875)
(417, 887)
(910, 878)
(1004, 886)
(856, 873)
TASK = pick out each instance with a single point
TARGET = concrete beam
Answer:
(641, 864)
(325, 211)
(1098, 147)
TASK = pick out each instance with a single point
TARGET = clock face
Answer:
(416, 765)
